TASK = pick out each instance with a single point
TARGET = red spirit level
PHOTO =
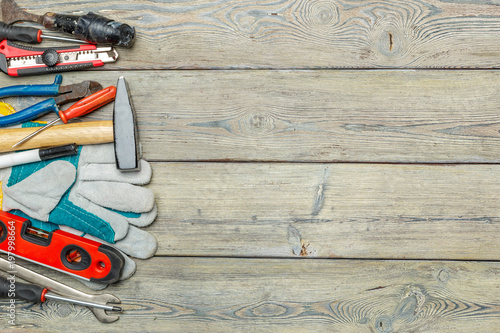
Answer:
(60, 250)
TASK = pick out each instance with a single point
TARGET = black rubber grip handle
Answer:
(20, 34)
(49, 70)
(92, 28)
(18, 290)
(56, 152)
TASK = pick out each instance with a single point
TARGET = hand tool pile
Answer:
(92, 29)
(72, 198)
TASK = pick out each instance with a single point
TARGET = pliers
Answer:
(63, 95)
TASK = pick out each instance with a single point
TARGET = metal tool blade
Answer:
(105, 54)
(12, 13)
(125, 129)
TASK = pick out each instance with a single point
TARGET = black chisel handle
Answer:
(18, 290)
(20, 34)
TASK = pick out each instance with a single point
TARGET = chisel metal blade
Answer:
(11, 13)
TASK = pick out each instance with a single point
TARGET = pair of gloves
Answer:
(86, 195)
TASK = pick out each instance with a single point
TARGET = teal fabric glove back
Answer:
(72, 215)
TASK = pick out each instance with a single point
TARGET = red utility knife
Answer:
(19, 60)
(60, 250)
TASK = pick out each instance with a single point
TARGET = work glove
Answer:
(86, 193)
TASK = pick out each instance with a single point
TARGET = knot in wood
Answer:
(257, 124)
(392, 40)
(383, 324)
(63, 310)
(321, 14)
(443, 275)
(325, 13)
(269, 310)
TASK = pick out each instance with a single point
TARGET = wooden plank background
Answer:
(264, 295)
(310, 116)
(319, 165)
(301, 33)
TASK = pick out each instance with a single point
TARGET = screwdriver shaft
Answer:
(36, 132)
(63, 39)
(80, 108)
(84, 303)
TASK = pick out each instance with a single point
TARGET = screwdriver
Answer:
(34, 293)
(28, 34)
(80, 108)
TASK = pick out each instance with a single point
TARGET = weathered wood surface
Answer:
(241, 295)
(254, 216)
(311, 116)
(301, 33)
(328, 210)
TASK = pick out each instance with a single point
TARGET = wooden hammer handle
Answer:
(84, 133)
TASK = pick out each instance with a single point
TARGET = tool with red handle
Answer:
(60, 250)
(18, 60)
(80, 108)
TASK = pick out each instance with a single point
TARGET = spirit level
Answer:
(60, 250)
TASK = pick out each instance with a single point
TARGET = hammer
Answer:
(122, 131)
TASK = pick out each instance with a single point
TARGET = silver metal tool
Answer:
(60, 288)
(16, 60)
(35, 133)
(125, 129)
(84, 303)
(104, 54)
(63, 39)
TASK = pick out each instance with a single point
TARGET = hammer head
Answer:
(126, 138)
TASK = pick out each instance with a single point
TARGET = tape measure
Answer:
(6, 109)
(60, 250)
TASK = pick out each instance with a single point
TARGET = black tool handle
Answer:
(49, 70)
(91, 28)
(59, 151)
(20, 34)
(18, 290)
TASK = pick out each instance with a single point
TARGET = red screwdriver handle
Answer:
(89, 104)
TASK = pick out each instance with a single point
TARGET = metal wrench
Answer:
(57, 287)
